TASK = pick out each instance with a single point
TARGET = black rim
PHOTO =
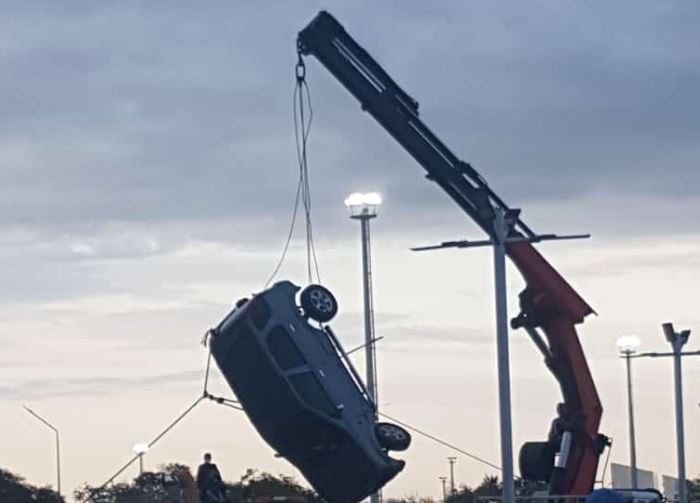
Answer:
(321, 300)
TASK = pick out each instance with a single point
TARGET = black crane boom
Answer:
(397, 112)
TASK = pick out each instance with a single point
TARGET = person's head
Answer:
(207, 457)
(561, 409)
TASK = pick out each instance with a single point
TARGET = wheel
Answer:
(392, 437)
(537, 461)
(318, 303)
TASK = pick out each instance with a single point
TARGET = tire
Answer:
(536, 461)
(392, 437)
(318, 303)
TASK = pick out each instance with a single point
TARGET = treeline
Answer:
(14, 489)
(173, 483)
(490, 486)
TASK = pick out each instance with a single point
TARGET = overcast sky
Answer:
(147, 175)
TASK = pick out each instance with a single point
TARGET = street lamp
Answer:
(58, 447)
(443, 480)
(363, 207)
(628, 346)
(452, 460)
(140, 449)
(678, 340)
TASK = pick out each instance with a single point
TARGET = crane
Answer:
(550, 308)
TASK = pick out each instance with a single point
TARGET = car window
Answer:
(325, 343)
(260, 312)
(283, 349)
(311, 391)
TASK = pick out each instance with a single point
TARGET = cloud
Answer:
(640, 259)
(114, 115)
(45, 388)
(410, 334)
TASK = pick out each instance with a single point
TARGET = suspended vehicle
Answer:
(301, 392)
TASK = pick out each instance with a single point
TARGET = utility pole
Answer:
(363, 207)
(501, 228)
(444, 488)
(678, 340)
(633, 443)
(58, 446)
(628, 347)
(140, 450)
(502, 223)
(452, 460)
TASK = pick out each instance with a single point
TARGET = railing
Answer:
(631, 496)
(537, 498)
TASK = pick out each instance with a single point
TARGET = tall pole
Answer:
(363, 207)
(369, 323)
(677, 340)
(58, 447)
(452, 460)
(444, 488)
(368, 309)
(633, 443)
(680, 430)
(499, 262)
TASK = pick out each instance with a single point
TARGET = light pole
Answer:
(452, 460)
(501, 228)
(500, 238)
(363, 207)
(140, 449)
(678, 340)
(443, 480)
(628, 346)
(58, 446)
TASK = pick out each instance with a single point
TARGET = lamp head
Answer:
(363, 205)
(628, 344)
(140, 448)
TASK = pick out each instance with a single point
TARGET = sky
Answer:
(147, 176)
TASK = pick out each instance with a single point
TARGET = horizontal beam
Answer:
(659, 355)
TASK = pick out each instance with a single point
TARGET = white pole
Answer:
(680, 430)
(368, 310)
(677, 340)
(499, 261)
(58, 447)
(633, 443)
(369, 322)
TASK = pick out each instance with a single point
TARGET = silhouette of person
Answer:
(209, 483)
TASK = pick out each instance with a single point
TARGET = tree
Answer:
(167, 485)
(14, 489)
(490, 486)
(254, 484)
(464, 494)
(413, 498)
(694, 489)
(173, 483)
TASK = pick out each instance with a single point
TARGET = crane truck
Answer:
(550, 308)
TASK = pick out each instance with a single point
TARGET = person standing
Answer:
(209, 483)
